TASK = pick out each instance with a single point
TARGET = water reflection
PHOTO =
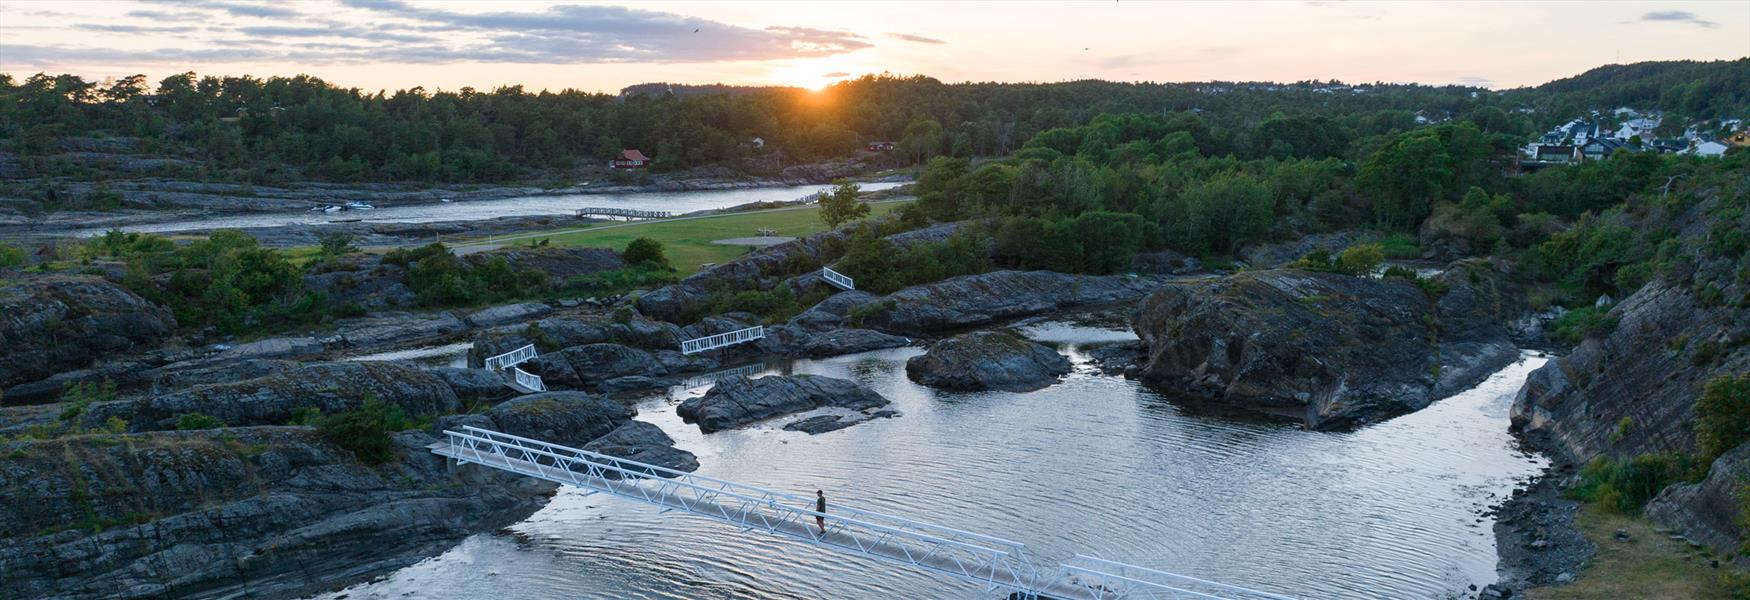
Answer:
(1095, 464)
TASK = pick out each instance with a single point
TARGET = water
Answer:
(1095, 464)
(444, 355)
(479, 210)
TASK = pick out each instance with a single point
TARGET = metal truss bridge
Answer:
(995, 563)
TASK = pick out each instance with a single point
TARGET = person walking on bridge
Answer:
(820, 507)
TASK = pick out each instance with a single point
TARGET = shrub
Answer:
(1722, 415)
(197, 421)
(335, 244)
(1400, 246)
(1627, 486)
(115, 425)
(1360, 260)
(1581, 323)
(645, 252)
(79, 396)
(365, 431)
(10, 256)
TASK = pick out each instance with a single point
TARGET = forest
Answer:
(287, 129)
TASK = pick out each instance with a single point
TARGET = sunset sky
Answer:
(597, 47)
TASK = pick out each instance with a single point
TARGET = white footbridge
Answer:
(837, 279)
(622, 213)
(516, 378)
(995, 563)
(727, 338)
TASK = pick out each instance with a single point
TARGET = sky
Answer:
(397, 44)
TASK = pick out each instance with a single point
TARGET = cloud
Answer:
(915, 38)
(836, 74)
(157, 15)
(1679, 16)
(236, 9)
(137, 29)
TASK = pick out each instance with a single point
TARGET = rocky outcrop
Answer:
(50, 324)
(1270, 256)
(283, 347)
(565, 418)
(987, 360)
(1333, 350)
(1646, 372)
(388, 328)
(645, 443)
(833, 312)
(846, 341)
(1709, 512)
(272, 399)
(739, 401)
(260, 511)
(974, 300)
(507, 313)
(590, 364)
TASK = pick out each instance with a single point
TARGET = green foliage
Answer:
(1626, 486)
(618, 281)
(880, 267)
(1581, 323)
(1623, 428)
(196, 421)
(774, 306)
(365, 431)
(335, 244)
(10, 256)
(77, 397)
(1218, 215)
(1359, 260)
(645, 253)
(226, 280)
(306, 416)
(1400, 246)
(841, 206)
(440, 278)
(1722, 415)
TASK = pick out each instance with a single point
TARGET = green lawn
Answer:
(687, 241)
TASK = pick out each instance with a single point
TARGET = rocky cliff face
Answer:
(987, 360)
(50, 324)
(273, 399)
(1334, 350)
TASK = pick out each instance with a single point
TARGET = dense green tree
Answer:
(842, 206)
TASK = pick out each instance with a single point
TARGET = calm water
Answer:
(476, 210)
(1095, 464)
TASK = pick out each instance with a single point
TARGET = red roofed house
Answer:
(630, 159)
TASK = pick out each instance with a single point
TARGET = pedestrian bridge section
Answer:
(995, 563)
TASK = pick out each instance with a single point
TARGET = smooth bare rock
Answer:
(592, 364)
(474, 385)
(820, 424)
(54, 323)
(848, 341)
(272, 400)
(390, 328)
(1333, 350)
(739, 401)
(833, 312)
(285, 347)
(508, 313)
(987, 360)
(974, 300)
(645, 443)
(565, 418)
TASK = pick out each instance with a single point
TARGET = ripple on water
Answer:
(1096, 465)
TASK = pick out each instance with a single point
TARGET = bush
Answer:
(1722, 415)
(79, 396)
(1626, 487)
(197, 421)
(645, 253)
(10, 256)
(1360, 260)
(365, 430)
(1581, 323)
(1400, 246)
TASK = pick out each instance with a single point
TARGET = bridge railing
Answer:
(836, 278)
(511, 359)
(729, 338)
(629, 213)
(992, 561)
(528, 380)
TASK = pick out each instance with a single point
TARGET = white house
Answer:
(1709, 149)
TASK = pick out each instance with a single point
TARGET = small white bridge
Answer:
(622, 213)
(519, 380)
(730, 338)
(995, 563)
(837, 279)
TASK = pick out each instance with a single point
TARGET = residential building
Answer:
(629, 159)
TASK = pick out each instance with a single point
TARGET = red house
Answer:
(630, 159)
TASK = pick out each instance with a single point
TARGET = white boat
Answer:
(359, 205)
(332, 208)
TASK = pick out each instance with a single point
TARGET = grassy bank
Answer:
(1647, 565)
(687, 240)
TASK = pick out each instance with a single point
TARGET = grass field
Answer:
(1649, 565)
(687, 240)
